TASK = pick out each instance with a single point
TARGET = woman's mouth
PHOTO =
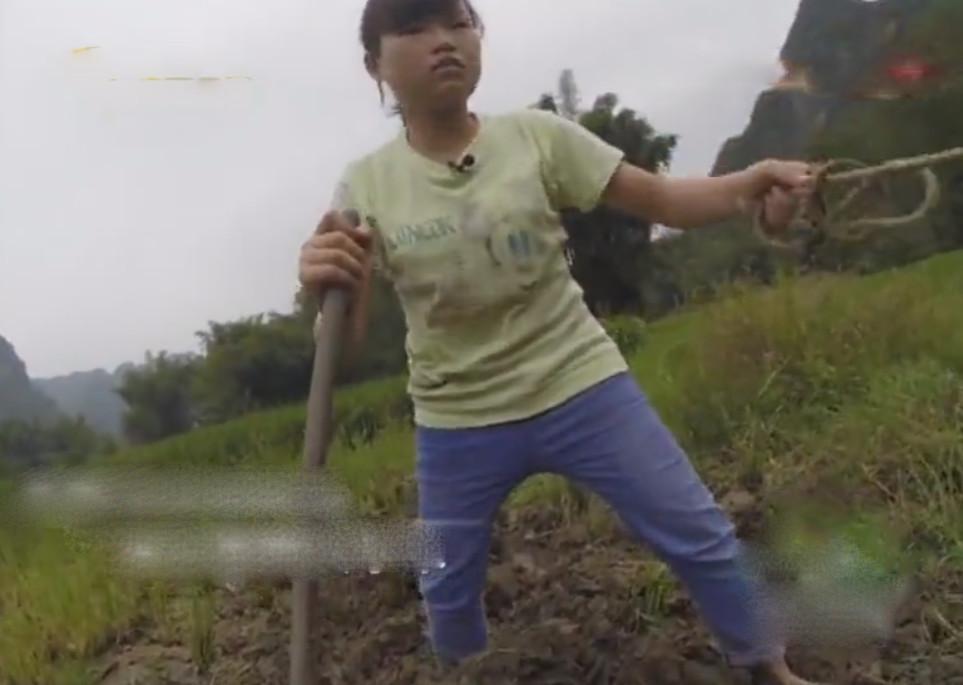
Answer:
(448, 64)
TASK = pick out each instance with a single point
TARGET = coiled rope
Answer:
(825, 219)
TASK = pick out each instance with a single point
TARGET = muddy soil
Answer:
(565, 607)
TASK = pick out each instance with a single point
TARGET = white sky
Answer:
(133, 212)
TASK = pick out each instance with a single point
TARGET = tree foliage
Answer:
(384, 351)
(158, 397)
(251, 364)
(609, 251)
(30, 444)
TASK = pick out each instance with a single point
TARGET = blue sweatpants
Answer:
(610, 440)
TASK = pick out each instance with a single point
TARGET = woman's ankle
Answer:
(776, 672)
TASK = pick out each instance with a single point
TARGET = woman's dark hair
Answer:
(381, 17)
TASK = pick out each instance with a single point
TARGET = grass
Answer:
(828, 384)
(59, 602)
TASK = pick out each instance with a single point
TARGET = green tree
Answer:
(252, 364)
(609, 251)
(158, 397)
(384, 347)
(30, 444)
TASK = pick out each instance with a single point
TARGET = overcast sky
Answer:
(132, 212)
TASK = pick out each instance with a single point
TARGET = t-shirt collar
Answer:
(439, 170)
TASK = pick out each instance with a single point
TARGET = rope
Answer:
(823, 219)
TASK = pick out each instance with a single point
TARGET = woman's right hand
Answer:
(337, 255)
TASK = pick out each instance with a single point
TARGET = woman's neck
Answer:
(441, 135)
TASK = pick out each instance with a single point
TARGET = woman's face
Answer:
(432, 65)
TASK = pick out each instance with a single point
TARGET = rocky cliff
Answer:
(18, 398)
(839, 54)
(862, 80)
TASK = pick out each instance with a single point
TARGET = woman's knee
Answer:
(457, 579)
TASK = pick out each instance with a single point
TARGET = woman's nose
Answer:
(441, 38)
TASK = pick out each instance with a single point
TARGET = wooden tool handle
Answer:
(319, 426)
(327, 353)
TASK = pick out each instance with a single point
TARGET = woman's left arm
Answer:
(686, 203)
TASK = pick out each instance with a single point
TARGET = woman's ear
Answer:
(371, 65)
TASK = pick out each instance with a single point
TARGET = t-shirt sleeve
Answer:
(577, 164)
(349, 193)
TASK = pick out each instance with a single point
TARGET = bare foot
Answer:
(778, 673)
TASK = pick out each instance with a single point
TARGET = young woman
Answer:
(510, 374)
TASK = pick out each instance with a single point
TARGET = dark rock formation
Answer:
(835, 58)
(18, 398)
(839, 44)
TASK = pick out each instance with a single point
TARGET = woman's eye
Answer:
(411, 30)
(462, 25)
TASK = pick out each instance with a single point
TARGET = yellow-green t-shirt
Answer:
(498, 329)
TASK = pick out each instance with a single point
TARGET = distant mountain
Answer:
(862, 80)
(19, 399)
(90, 394)
(838, 57)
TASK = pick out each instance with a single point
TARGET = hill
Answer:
(866, 81)
(18, 398)
(835, 58)
(89, 394)
(840, 392)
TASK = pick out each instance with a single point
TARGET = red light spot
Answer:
(910, 70)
